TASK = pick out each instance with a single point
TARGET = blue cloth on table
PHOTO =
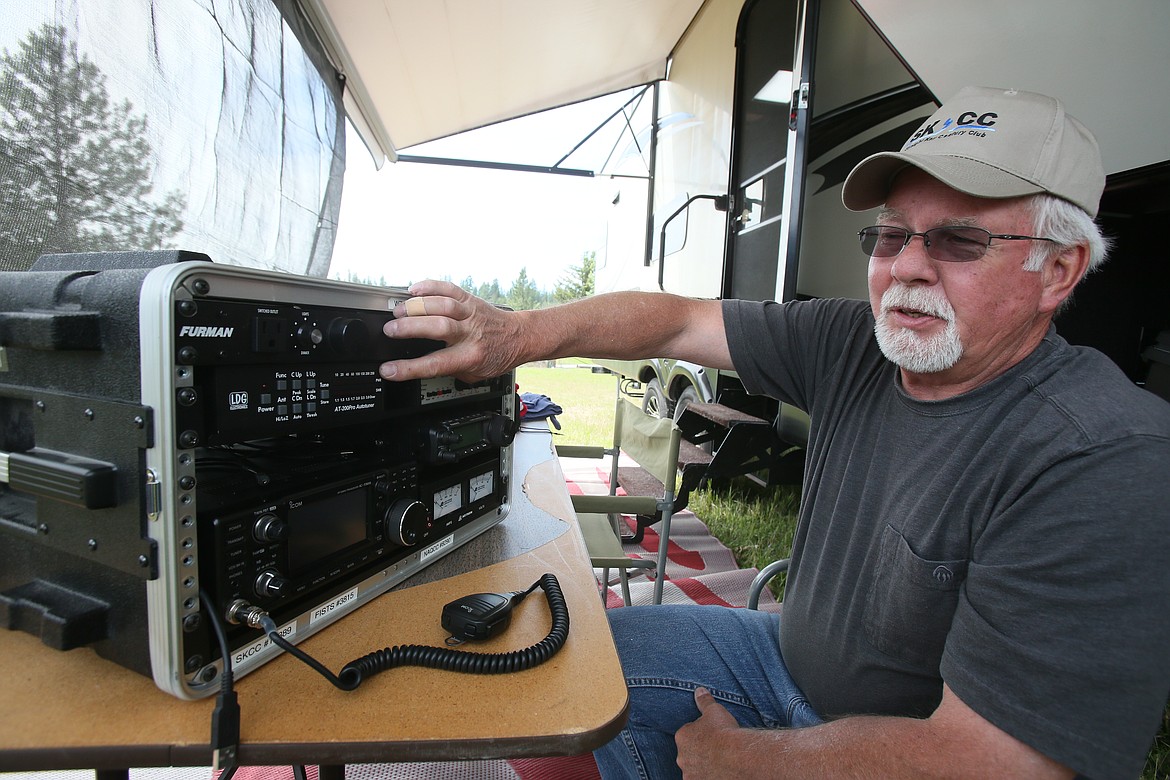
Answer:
(541, 407)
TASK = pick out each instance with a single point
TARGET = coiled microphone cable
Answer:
(353, 673)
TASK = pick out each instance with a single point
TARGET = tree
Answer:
(354, 277)
(74, 166)
(491, 292)
(578, 281)
(523, 295)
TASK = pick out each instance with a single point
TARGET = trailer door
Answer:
(774, 50)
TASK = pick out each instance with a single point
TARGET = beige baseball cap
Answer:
(992, 143)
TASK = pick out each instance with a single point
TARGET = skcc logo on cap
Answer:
(968, 123)
(991, 143)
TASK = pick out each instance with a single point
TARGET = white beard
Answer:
(909, 350)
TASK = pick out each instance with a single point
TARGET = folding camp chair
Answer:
(653, 443)
(766, 575)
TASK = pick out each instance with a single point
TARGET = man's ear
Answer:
(1061, 274)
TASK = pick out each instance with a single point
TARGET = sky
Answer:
(411, 221)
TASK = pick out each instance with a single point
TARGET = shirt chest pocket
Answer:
(909, 610)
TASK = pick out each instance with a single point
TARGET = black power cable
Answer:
(225, 718)
(353, 673)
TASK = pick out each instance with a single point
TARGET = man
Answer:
(980, 577)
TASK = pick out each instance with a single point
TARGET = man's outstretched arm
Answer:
(484, 341)
(954, 742)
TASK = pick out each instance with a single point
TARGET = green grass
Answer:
(586, 398)
(1158, 761)
(755, 523)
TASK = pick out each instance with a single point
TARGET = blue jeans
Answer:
(667, 651)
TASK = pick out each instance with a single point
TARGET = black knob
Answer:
(269, 528)
(348, 336)
(307, 336)
(499, 430)
(405, 520)
(270, 583)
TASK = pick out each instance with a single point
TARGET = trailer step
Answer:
(637, 481)
(723, 415)
(709, 423)
(691, 454)
(695, 463)
(742, 444)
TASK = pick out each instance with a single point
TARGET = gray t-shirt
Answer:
(1013, 541)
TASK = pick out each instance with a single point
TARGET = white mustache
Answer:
(925, 300)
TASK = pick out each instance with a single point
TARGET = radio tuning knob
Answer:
(348, 336)
(269, 528)
(405, 519)
(499, 430)
(270, 584)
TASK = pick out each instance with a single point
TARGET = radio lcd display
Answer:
(320, 527)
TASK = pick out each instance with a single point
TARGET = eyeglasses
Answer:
(951, 244)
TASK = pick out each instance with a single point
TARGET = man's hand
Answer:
(704, 744)
(482, 340)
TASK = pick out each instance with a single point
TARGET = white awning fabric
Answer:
(416, 71)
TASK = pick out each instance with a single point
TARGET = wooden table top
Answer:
(67, 710)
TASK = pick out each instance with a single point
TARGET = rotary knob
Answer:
(499, 430)
(270, 584)
(348, 336)
(307, 336)
(405, 520)
(269, 528)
